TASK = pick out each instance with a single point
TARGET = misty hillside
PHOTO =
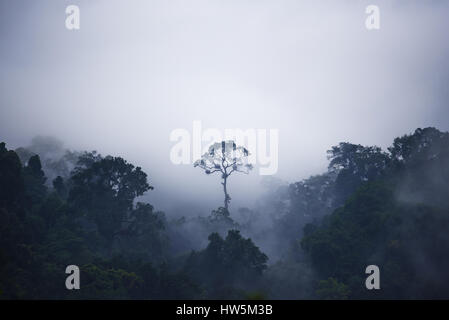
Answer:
(308, 239)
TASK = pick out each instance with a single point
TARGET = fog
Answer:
(137, 70)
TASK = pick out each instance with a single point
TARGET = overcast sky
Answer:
(136, 70)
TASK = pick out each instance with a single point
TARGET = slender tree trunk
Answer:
(227, 198)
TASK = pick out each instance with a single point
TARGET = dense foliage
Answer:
(397, 219)
(316, 236)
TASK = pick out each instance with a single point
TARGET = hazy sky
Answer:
(136, 70)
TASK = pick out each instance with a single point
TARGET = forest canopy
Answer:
(388, 208)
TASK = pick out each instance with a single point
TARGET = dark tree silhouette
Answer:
(226, 158)
(105, 189)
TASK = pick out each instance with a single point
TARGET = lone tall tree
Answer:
(226, 158)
